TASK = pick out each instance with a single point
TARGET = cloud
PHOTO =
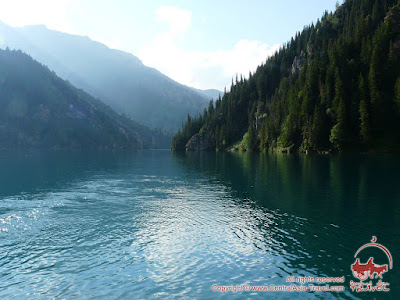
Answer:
(27, 12)
(179, 20)
(201, 69)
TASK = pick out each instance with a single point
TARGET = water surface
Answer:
(156, 224)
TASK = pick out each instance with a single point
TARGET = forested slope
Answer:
(334, 86)
(39, 109)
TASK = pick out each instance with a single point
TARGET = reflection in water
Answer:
(343, 199)
(136, 224)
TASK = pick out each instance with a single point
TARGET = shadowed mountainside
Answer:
(39, 109)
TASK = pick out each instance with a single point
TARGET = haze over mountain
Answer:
(39, 109)
(210, 93)
(118, 78)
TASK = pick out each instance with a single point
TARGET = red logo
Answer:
(362, 271)
(370, 269)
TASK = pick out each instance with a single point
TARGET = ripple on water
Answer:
(146, 235)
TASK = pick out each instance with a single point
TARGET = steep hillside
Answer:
(39, 109)
(118, 78)
(334, 86)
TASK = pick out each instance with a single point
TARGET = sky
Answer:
(202, 44)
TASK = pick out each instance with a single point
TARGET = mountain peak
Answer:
(118, 78)
(36, 26)
(42, 110)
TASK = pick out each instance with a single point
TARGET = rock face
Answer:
(200, 142)
(298, 63)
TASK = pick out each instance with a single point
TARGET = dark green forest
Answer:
(335, 86)
(39, 109)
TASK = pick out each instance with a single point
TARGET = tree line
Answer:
(334, 86)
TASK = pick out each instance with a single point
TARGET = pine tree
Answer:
(363, 112)
(397, 95)
(347, 91)
(339, 94)
(364, 122)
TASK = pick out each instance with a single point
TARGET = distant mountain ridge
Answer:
(210, 93)
(38, 109)
(118, 78)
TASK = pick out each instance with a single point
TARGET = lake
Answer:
(156, 224)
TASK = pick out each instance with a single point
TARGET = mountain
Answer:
(39, 109)
(210, 93)
(333, 87)
(118, 78)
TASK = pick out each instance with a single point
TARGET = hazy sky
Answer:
(199, 43)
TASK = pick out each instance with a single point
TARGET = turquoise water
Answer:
(154, 224)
